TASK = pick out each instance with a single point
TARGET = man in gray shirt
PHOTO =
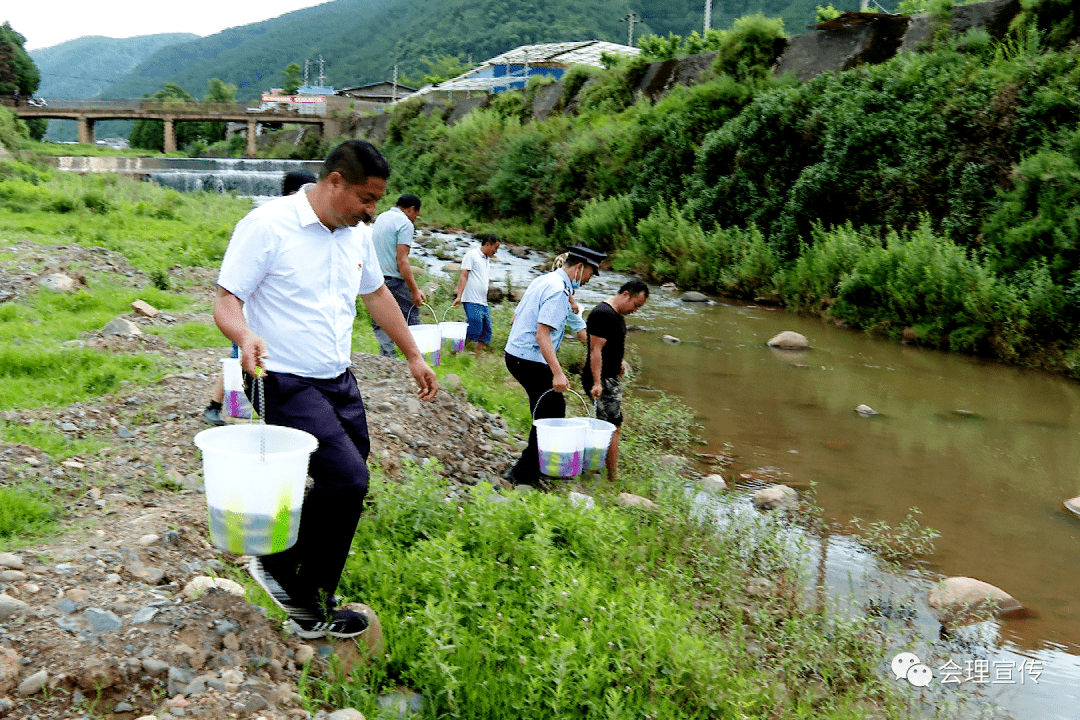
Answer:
(392, 235)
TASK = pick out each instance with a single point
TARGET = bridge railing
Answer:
(140, 104)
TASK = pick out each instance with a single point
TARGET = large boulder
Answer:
(994, 16)
(789, 340)
(776, 497)
(842, 43)
(963, 599)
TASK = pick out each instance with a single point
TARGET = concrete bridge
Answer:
(88, 112)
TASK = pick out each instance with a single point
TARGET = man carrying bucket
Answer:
(472, 290)
(603, 371)
(392, 234)
(534, 341)
(287, 297)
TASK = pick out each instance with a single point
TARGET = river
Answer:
(986, 452)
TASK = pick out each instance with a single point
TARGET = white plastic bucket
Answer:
(234, 401)
(561, 444)
(453, 335)
(429, 340)
(254, 497)
(597, 440)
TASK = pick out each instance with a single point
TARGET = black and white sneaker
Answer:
(277, 593)
(339, 624)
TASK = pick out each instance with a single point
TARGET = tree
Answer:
(217, 93)
(17, 69)
(293, 79)
(438, 68)
(19, 73)
(150, 134)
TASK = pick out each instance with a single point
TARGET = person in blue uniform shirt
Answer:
(532, 346)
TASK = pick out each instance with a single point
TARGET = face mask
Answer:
(575, 284)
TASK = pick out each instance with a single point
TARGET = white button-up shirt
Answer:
(299, 281)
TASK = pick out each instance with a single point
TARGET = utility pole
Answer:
(393, 95)
(307, 64)
(708, 16)
(322, 72)
(632, 20)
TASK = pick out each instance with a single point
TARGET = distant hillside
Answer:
(86, 66)
(360, 40)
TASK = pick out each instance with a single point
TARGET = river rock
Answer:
(122, 327)
(629, 500)
(58, 283)
(669, 287)
(694, 296)
(451, 268)
(789, 340)
(141, 307)
(866, 411)
(1073, 505)
(776, 497)
(964, 599)
(199, 585)
(713, 483)
(671, 339)
(10, 665)
(33, 684)
(369, 644)
(495, 294)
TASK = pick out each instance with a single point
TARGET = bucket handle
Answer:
(448, 309)
(553, 390)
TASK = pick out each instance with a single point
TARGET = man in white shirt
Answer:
(287, 297)
(392, 234)
(472, 290)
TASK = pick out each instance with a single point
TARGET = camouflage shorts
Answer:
(609, 406)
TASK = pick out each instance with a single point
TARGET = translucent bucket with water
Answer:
(429, 340)
(254, 496)
(597, 439)
(561, 443)
(232, 383)
(453, 335)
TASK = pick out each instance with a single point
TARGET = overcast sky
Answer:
(52, 23)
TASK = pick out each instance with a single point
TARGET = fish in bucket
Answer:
(255, 476)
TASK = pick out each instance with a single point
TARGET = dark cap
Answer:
(587, 255)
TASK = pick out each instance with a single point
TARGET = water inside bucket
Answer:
(561, 443)
(453, 335)
(597, 439)
(429, 340)
(254, 499)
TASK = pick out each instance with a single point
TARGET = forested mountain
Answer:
(86, 66)
(361, 40)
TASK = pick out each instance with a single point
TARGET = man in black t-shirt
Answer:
(604, 367)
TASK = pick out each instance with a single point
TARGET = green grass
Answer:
(191, 335)
(48, 440)
(154, 227)
(27, 510)
(539, 608)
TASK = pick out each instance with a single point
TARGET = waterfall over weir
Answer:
(256, 177)
(241, 182)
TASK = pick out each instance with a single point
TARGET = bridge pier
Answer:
(170, 134)
(86, 130)
(252, 149)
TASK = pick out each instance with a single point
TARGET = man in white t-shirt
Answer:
(287, 297)
(472, 290)
(392, 233)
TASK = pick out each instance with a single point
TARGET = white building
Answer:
(512, 70)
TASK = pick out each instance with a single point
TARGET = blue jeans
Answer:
(410, 312)
(479, 322)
